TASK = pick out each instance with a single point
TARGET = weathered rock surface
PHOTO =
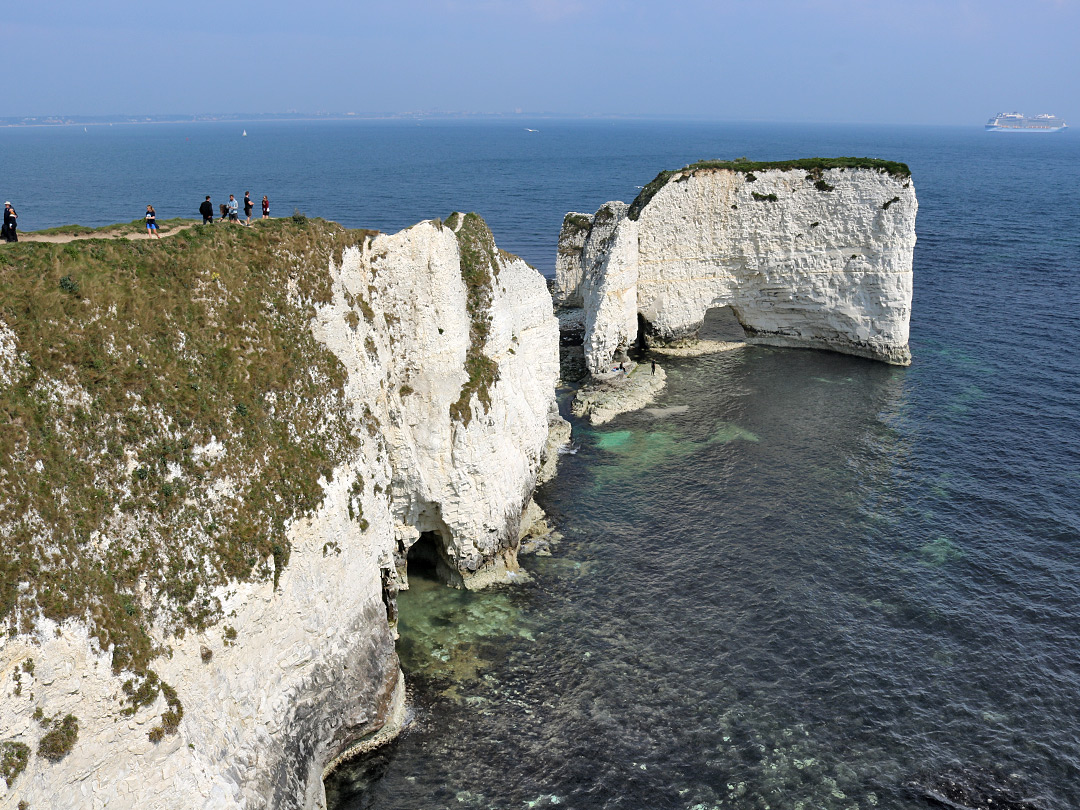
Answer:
(613, 392)
(569, 269)
(814, 259)
(302, 670)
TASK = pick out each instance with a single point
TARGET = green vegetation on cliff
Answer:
(813, 166)
(61, 737)
(164, 412)
(479, 267)
(14, 757)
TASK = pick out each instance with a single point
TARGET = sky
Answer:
(843, 61)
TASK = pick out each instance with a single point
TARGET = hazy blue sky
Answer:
(927, 61)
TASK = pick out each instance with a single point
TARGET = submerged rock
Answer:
(974, 789)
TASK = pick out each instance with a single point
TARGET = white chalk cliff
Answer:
(805, 256)
(307, 670)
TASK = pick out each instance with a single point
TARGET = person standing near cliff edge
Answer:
(10, 231)
(266, 207)
(234, 216)
(249, 205)
(151, 222)
(207, 211)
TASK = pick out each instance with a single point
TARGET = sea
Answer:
(804, 580)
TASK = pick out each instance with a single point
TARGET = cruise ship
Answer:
(1016, 122)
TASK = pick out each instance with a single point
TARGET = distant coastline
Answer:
(110, 120)
(10, 122)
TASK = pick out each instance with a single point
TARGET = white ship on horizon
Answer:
(1017, 122)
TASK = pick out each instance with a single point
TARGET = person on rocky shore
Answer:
(207, 211)
(10, 232)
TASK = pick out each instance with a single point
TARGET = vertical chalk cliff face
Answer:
(569, 267)
(434, 421)
(584, 243)
(814, 254)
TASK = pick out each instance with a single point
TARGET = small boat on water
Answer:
(243, 134)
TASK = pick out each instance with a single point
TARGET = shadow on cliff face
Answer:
(354, 782)
(721, 324)
(427, 560)
(423, 559)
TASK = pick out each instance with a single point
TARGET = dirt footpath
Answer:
(122, 232)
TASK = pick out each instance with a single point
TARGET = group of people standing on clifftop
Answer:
(231, 211)
(9, 232)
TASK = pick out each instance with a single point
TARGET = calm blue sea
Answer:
(826, 581)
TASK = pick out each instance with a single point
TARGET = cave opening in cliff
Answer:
(427, 560)
(721, 323)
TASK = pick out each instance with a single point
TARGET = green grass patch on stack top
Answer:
(479, 266)
(576, 223)
(890, 167)
(131, 355)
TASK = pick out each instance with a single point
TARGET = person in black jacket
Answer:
(207, 211)
(9, 230)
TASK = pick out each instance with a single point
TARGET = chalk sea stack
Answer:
(813, 253)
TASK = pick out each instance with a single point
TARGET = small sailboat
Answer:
(243, 134)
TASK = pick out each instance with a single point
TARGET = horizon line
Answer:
(60, 120)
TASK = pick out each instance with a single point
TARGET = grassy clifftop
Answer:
(159, 403)
(812, 166)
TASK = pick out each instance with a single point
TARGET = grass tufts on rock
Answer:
(14, 757)
(576, 223)
(479, 267)
(60, 739)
